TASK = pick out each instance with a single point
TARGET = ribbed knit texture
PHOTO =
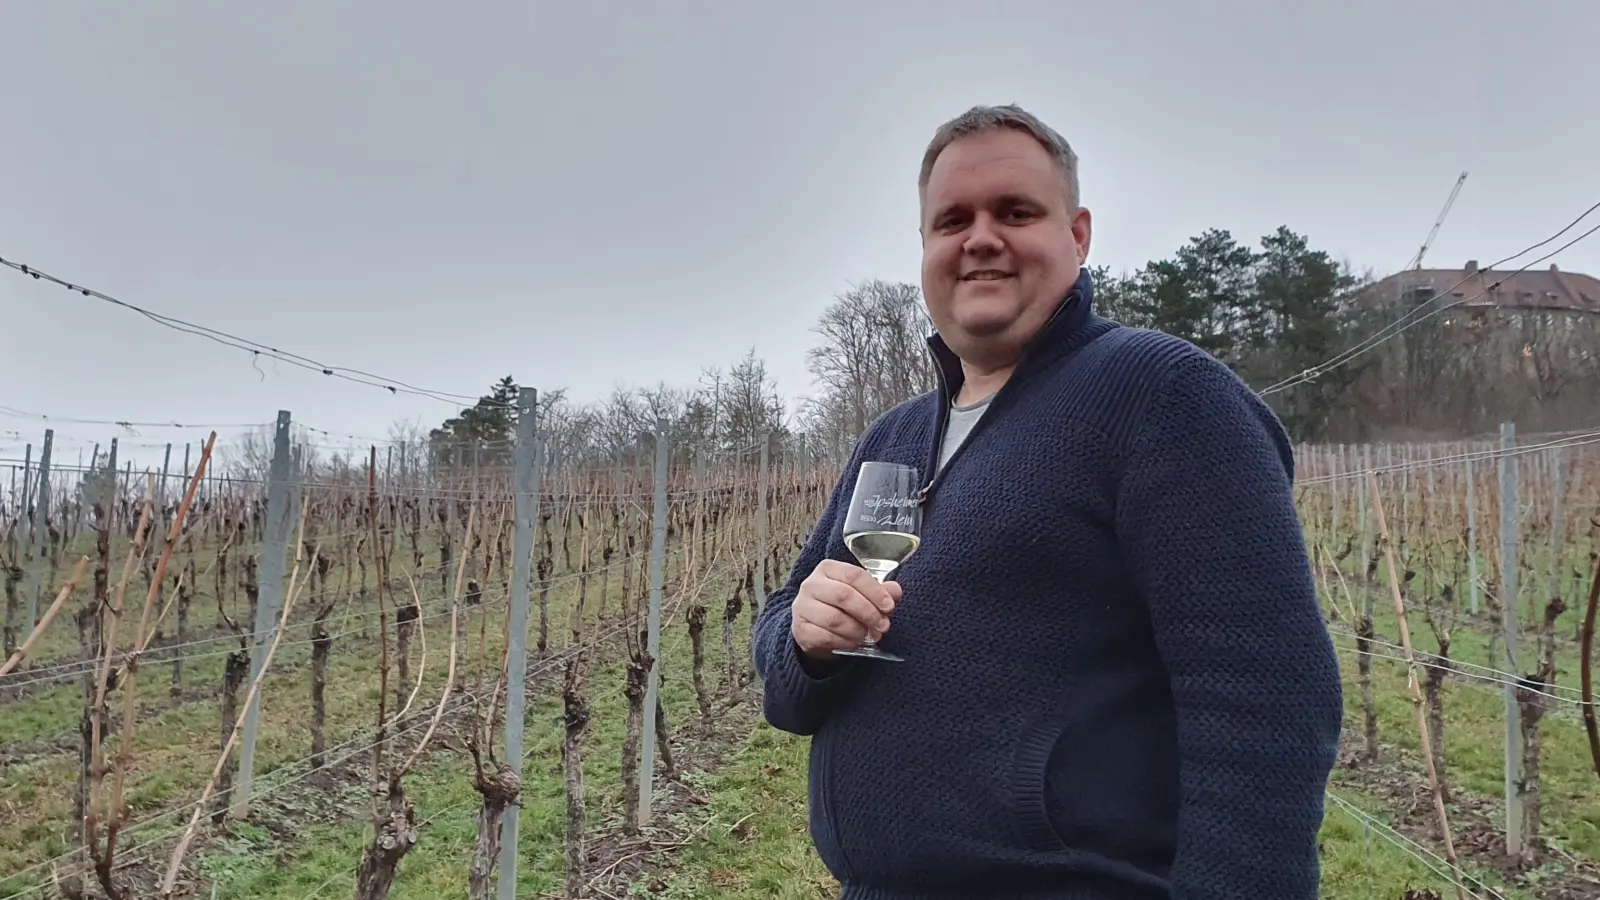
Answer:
(1117, 684)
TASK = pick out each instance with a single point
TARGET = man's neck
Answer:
(979, 383)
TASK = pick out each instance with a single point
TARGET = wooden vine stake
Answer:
(1586, 663)
(21, 652)
(1416, 686)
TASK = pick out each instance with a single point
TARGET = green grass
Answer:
(1364, 859)
(763, 848)
(322, 860)
(176, 741)
(751, 833)
(1474, 710)
(754, 841)
(1474, 740)
(175, 747)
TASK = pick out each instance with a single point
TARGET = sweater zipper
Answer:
(942, 420)
(942, 416)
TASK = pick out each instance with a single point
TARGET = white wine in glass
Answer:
(881, 552)
(883, 528)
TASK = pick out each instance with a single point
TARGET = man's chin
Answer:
(987, 316)
(984, 329)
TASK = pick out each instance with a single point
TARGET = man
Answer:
(1116, 679)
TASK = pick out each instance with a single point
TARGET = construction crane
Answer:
(1416, 261)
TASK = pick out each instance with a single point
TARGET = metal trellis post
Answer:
(1508, 623)
(658, 556)
(526, 512)
(274, 555)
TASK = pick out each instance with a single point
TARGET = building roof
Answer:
(1542, 289)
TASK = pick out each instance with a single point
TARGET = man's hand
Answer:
(837, 606)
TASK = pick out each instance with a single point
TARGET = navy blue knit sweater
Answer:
(1117, 682)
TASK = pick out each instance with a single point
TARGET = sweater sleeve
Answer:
(797, 694)
(1207, 522)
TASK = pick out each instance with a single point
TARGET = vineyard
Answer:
(1459, 582)
(383, 635)
(524, 671)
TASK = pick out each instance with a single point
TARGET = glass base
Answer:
(869, 650)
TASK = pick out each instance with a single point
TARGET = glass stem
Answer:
(868, 641)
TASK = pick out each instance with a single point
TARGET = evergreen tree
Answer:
(487, 427)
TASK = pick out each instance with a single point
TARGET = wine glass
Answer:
(883, 528)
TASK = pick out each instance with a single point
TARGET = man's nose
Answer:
(984, 238)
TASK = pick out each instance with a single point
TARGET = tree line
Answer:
(1268, 311)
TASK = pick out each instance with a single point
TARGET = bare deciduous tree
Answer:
(873, 356)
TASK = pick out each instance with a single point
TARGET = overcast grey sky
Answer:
(591, 194)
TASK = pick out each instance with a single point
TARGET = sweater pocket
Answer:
(1105, 783)
(1030, 784)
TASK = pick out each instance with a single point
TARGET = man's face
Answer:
(1001, 246)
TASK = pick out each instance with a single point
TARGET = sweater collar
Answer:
(1070, 317)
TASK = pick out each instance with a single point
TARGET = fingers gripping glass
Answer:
(883, 528)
